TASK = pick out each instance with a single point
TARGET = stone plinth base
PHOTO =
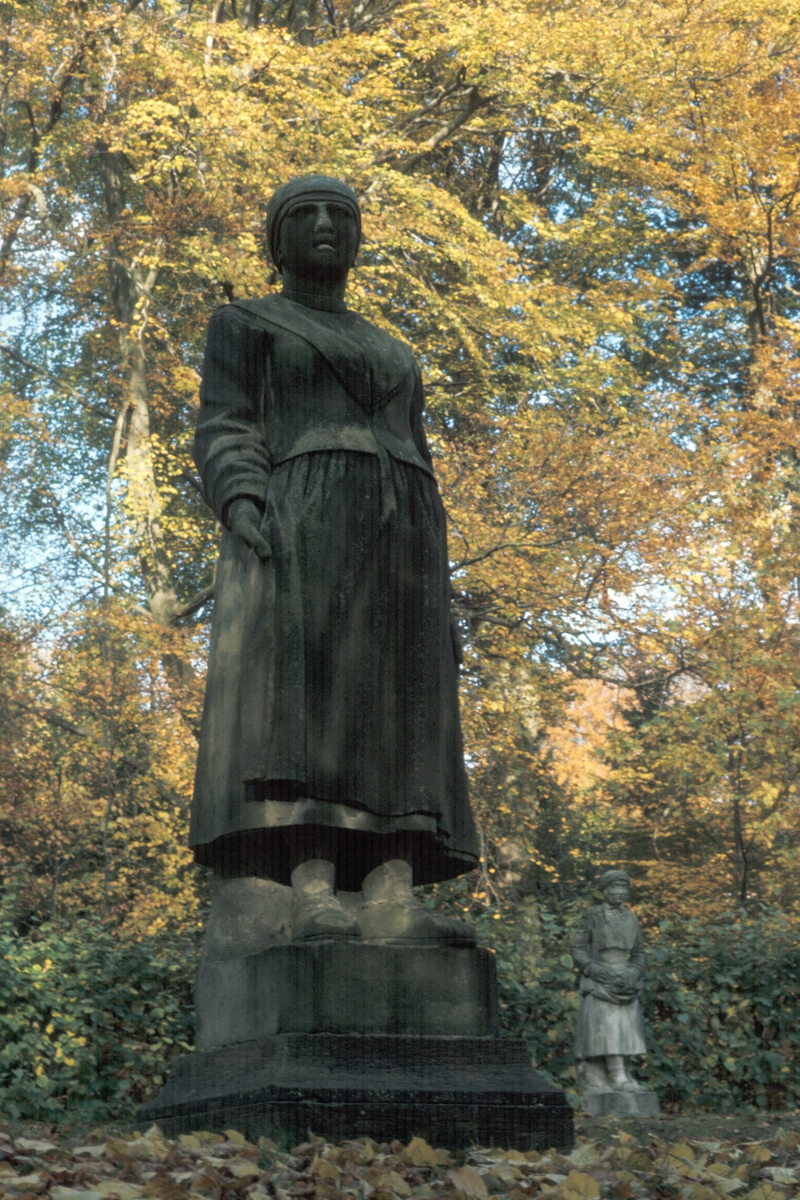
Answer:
(346, 987)
(621, 1104)
(453, 1091)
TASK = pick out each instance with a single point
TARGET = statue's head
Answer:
(615, 886)
(314, 227)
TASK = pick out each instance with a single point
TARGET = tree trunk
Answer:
(302, 19)
(131, 288)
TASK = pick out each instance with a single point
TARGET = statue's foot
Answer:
(316, 912)
(592, 1076)
(391, 913)
(622, 1083)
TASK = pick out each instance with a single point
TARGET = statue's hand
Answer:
(455, 638)
(602, 973)
(245, 520)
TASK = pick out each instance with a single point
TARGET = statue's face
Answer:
(616, 893)
(318, 240)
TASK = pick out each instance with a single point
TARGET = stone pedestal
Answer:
(346, 987)
(621, 1104)
(350, 1038)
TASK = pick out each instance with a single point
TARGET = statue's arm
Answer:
(582, 945)
(421, 443)
(638, 958)
(229, 446)
(417, 409)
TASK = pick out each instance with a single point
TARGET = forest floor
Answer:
(721, 1127)
(699, 1157)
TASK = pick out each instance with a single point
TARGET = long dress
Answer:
(610, 1018)
(332, 692)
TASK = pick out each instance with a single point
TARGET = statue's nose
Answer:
(324, 222)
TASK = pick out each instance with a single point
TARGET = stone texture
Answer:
(246, 916)
(346, 987)
(621, 1104)
(453, 1091)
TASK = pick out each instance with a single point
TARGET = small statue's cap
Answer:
(612, 876)
(306, 187)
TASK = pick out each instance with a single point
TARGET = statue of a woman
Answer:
(330, 751)
(609, 952)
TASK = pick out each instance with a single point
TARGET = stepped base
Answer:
(452, 1091)
(621, 1104)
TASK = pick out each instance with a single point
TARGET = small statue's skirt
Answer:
(605, 1028)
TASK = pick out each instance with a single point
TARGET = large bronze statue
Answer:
(330, 752)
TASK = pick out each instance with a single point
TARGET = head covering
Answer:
(612, 876)
(307, 187)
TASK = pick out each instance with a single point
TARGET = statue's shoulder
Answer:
(377, 331)
(376, 341)
(597, 917)
(259, 310)
(588, 919)
(239, 312)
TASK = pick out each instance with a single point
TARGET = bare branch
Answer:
(50, 717)
(474, 102)
(195, 604)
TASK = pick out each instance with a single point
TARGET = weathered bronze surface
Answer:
(331, 727)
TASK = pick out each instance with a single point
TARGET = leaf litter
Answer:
(206, 1165)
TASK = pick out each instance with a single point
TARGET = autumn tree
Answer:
(583, 221)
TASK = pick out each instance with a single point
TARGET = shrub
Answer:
(721, 1003)
(89, 1022)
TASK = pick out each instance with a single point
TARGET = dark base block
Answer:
(452, 1091)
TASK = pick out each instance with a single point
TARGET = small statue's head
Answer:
(314, 227)
(615, 886)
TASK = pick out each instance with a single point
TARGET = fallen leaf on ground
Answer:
(589, 1154)
(465, 1180)
(242, 1167)
(67, 1193)
(580, 1186)
(28, 1183)
(766, 1191)
(419, 1154)
(120, 1189)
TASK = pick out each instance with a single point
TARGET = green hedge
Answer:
(721, 1002)
(89, 1024)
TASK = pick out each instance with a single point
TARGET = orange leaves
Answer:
(584, 220)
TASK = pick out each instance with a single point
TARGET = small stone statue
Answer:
(608, 950)
(330, 751)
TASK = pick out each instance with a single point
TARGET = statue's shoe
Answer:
(625, 1085)
(391, 913)
(316, 912)
(321, 918)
